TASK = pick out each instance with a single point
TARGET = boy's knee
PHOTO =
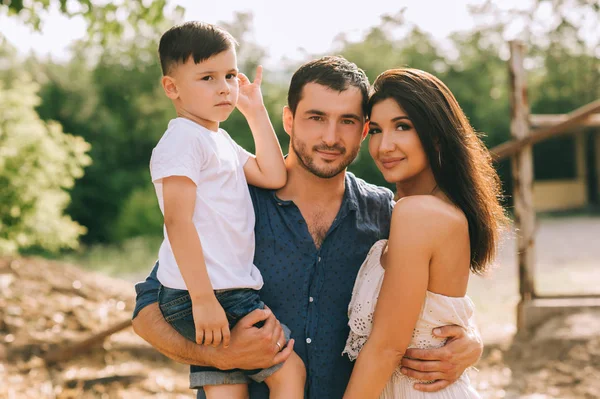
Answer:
(293, 368)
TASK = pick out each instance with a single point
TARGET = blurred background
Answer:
(81, 108)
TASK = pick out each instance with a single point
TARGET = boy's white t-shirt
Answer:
(223, 215)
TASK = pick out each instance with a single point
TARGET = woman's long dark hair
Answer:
(461, 164)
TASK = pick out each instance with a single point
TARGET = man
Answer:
(312, 235)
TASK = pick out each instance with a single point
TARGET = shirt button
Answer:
(308, 340)
(311, 299)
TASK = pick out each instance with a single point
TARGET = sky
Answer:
(286, 29)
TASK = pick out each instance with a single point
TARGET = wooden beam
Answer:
(573, 119)
(544, 120)
(69, 351)
(522, 172)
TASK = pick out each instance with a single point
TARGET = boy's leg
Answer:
(235, 391)
(288, 382)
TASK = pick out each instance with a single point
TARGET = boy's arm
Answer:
(179, 195)
(267, 168)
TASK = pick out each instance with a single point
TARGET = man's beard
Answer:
(307, 161)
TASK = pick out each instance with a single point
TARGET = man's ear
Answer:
(365, 131)
(288, 120)
(170, 88)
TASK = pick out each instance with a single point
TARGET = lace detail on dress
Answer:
(364, 297)
(438, 310)
(353, 345)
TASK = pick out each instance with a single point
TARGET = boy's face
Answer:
(206, 92)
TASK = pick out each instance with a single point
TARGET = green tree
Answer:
(38, 163)
(104, 19)
(118, 106)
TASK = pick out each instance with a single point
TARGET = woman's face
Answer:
(394, 143)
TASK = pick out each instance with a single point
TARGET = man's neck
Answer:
(303, 187)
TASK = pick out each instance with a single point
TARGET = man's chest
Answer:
(295, 269)
(318, 221)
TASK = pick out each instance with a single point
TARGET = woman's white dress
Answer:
(438, 310)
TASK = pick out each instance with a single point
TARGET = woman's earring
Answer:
(440, 158)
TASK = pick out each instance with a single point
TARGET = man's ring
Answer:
(279, 346)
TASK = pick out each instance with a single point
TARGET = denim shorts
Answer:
(176, 307)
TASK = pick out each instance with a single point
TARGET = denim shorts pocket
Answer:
(174, 304)
(181, 315)
(169, 297)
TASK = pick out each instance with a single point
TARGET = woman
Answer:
(444, 225)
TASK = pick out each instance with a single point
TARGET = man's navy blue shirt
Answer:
(309, 288)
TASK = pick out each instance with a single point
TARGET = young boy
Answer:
(200, 174)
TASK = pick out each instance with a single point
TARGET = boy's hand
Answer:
(250, 98)
(212, 327)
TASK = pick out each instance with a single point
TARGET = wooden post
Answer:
(522, 172)
(597, 142)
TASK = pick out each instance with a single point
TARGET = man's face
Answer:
(327, 129)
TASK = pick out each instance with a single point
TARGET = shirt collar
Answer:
(350, 195)
(350, 199)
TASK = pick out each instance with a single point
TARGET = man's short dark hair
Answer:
(334, 72)
(196, 39)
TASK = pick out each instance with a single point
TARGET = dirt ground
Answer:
(46, 305)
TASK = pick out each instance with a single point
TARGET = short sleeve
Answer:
(242, 154)
(179, 153)
(146, 291)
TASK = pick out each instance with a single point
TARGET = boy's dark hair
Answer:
(335, 72)
(196, 39)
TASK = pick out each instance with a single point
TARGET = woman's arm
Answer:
(409, 251)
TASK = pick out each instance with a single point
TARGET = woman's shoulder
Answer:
(428, 213)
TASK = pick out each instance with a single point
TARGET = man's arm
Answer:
(250, 347)
(444, 365)
(152, 327)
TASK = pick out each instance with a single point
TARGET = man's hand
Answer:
(252, 347)
(210, 321)
(446, 364)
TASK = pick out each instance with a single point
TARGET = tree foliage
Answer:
(38, 162)
(105, 19)
(110, 95)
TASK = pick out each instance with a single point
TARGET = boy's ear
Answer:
(288, 120)
(170, 88)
